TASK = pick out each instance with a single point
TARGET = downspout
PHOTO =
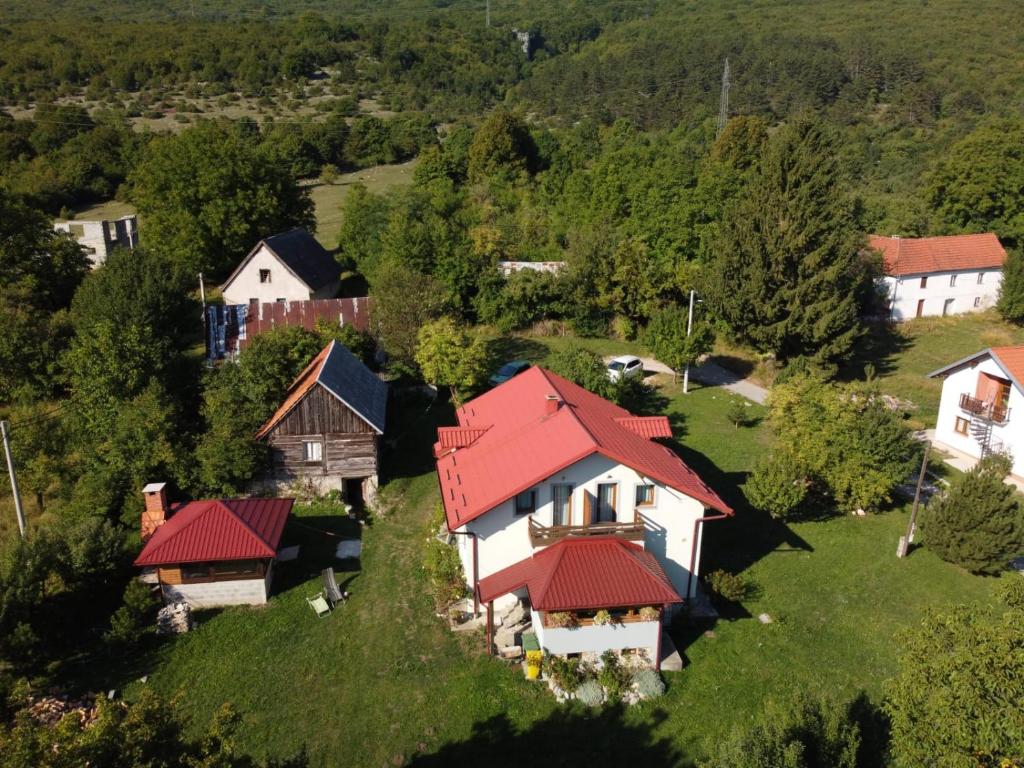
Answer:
(476, 567)
(693, 549)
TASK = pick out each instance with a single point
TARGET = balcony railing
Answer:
(544, 535)
(984, 409)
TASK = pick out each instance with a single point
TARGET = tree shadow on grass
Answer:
(317, 537)
(880, 347)
(505, 349)
(568, 737)
(408, 452)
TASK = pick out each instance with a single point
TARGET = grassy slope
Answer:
(381, 680)
(328, 198)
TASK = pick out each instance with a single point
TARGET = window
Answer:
(924, 281)
(952, 281)
(961, 425)
(606, 493)
(264, 275)
(561, 504)
(526, 503)
(947, 307)
(281, 301)
(977, 301)
(312, 450)
(644, 495)
(981, 278)
(77, 230)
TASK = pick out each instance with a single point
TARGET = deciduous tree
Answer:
(453, 356)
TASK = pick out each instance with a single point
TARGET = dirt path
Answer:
(711, 374)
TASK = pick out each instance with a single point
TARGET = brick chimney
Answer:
(155, 513)
(552, 403)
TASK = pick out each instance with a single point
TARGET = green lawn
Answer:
(328, 198)
(383, 682)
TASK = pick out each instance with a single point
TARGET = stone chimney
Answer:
(155, 513)
(552, 403)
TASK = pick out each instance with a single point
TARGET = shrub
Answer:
(567, 674)
(444, 569)
(978, 523)
(131, 621)
(648, 683)
(777, 485)
(563, 619)
(613, 675)
(737, 413)
(602, 617)
(728, 586)
(650, 613)
(590, 693)
(1011, 592)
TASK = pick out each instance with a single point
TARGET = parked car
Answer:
(625, 367)
(507, 371)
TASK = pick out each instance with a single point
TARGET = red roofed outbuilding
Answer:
(939, 275)
(211, 552)
(539, 467)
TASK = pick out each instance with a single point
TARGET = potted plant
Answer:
(650, 613)
(602, 617)
(562, 619)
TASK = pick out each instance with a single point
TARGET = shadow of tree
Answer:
(505, 349)
(737, 368)
(409, 452)
(318, 537)
(568, 737)
(880, 345)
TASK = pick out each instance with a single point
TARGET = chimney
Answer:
(552, 403)
(155, 513)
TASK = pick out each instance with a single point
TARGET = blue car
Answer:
(507, 371)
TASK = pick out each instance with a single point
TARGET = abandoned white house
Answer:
(99, 238)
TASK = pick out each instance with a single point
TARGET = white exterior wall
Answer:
(598, 639)
(100, 237)
(503, 537)
(1010, 434)
(283, 284)
(908, 292)
(214, 594)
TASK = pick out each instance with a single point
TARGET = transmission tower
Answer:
(723, 105)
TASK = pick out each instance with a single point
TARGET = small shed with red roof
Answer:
(539, 464)
(211, 552)
(948, 275)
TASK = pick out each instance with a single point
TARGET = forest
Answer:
(599, 146)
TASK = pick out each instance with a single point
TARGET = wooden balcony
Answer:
(997, 414)
(545, 535)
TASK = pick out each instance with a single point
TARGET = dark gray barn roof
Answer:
(354, 384)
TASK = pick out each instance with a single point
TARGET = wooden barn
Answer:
(327, 431)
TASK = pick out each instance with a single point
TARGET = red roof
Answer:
(218, 529)
(1011, 359)
(585, 574)
(524, 443)
(924, 255)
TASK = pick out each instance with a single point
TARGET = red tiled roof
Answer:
(585, 574)
(647, 426)
(457, 437)
(923, 255)
(525, 443)
(1012, 360)
(218, 529)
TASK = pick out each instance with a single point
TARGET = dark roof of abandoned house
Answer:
(212, 530)
(343, 375)
(301, 255)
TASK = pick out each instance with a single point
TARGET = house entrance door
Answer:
(920, 307)
(606, 503)
(561, 503)
(947, 307)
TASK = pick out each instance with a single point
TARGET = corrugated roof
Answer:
(1010, 359)
(343, 375)
(301, 254)
(647, 426)
(924, 255)
(218, 529)
(525, 443)
(585, 574)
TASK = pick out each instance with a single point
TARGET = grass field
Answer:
(382, 682)
(328, 198)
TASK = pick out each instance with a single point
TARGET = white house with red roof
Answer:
(565, 500)
(982, 405)
(927, 276)
(211, 552)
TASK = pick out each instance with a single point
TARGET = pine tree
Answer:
(1011, 292)
(788, 275)
(978, 524)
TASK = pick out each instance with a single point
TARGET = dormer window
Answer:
(264, 275)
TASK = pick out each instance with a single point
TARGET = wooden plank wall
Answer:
(321, 413)
(345, 455)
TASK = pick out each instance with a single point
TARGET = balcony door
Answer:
(606, 499)
(994, 390)
(561, 504)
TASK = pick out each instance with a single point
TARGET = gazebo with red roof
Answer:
(211, 552)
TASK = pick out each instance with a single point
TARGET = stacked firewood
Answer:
(49, 710)
(174, 619)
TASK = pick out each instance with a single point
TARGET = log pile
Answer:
(174, 619)
(49, 710)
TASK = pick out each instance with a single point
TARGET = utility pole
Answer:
(689, 329)
(723, 103)
(202, 293)
(906, 541)
(488, 14)
(14, 480)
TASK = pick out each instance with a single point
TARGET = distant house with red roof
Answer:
(327, 429)
(926, 276)
(982, 405)
(211, 552)
(567, 502)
